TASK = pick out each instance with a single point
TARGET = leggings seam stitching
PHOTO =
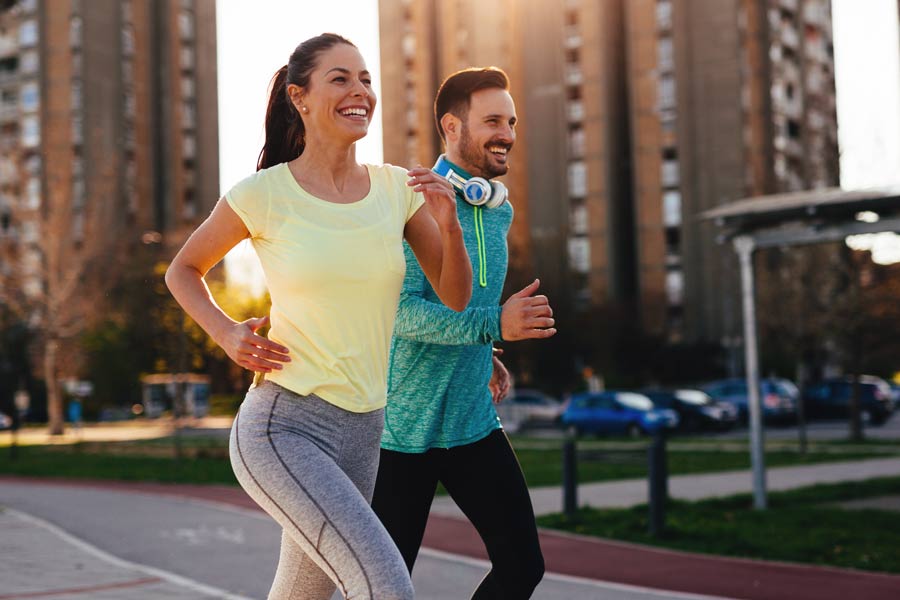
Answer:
(313, 500)
(271, 499)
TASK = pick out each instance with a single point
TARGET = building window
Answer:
(666, 91)
(28, 62)
(669, 172)
(129, 104)
(76, 95)
(664, 14)
(31, 131)
(77, 130)
(127, 40)
(576, 142)
(580, 254)
(188, 116)
(28, 33)
(186, 25)
(578, 219)
(672, 208)
(33, 194)
(187, 58)
(30, 97)
(576, 111)
(189, 145)
(75, 32)
(578, 179)
(78, 193)
(665, 54)
(675, 287)
(187, 88)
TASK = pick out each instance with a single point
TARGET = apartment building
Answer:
(108, 129)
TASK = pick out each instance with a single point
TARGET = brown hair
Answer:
(456, 91)
(285, 133)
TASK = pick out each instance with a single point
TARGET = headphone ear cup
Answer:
(477, 191)
(498, 195)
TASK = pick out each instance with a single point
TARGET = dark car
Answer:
(778, 398)
(616, 412)
(696, 409)
(830, 399)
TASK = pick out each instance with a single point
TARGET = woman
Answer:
(328, 232)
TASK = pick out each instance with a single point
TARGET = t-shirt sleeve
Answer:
(414, 201)
(250, 199)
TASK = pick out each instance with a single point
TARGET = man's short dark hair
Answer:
(455, 93)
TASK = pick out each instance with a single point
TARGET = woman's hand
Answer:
(250, 350)
(439, 196)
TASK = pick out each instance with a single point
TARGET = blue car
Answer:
(616, 412)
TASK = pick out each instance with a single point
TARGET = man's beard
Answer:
(478, 157)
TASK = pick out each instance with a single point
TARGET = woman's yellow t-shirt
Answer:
(334, 273)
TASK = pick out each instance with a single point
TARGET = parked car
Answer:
(895, 393)
(696, 409)
(778, 398)
(528, 408)
(616, 412)
(830, 399)
(6, 421)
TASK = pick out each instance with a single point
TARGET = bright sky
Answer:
(255, 39)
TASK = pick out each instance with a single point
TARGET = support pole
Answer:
(745, 246)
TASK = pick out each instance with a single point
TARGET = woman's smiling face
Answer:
(339, 100)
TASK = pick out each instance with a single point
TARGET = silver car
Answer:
(528, 408)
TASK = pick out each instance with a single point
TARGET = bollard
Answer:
(657, 480)
(570, 478)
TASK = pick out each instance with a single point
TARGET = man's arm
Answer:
(522, 316)
(421, 320)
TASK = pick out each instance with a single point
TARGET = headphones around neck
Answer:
(477, 191)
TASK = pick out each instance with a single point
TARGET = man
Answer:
(440, 422)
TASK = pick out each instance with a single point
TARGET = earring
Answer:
(304, 109)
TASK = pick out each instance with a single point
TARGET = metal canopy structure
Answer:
(785, 220)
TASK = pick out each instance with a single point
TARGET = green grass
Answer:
(206, 461)
(42, 461)
(799, 526)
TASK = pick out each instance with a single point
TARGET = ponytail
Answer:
(284, 127)
(285, 133)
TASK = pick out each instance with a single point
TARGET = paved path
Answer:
(212, 540)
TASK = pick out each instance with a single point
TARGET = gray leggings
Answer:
(312, 467)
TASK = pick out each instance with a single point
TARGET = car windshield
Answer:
(635, 401)
(695, 397)
(787, 388)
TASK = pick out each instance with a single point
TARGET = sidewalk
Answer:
(40, 560)
(675, 574)
(632, 492)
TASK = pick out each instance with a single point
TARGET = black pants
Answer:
(485, 480)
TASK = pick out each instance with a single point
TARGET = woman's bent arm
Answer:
(435, 236)
(218, 234)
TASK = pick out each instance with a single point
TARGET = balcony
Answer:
(574, 75)
(8, 46)
(9, 111)
(576, 111)
(572, 38)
